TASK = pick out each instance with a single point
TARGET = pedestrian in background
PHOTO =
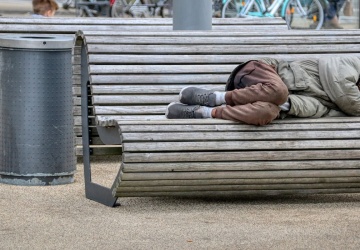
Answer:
(44, 8)
(332, 14)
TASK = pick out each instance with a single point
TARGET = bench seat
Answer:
(210, 157)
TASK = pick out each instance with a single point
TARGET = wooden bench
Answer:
(129, 79)
(69, 26)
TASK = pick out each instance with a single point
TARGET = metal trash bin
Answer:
(36, 127)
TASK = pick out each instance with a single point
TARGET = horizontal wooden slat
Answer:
(113, 120)
(221, 121)
(78, 130)
(78, 121)
(244, 40)
(129, 110)
(277, 125)
(161, 69)
(267, 155)
(242, 192)
(160, 79)
(241, 165)
(241, 136)
(77, 110)
(238, 181)
(139, 99)
(77, 100)
(234, 33)
(216, 49)
(200, 59)
(242, 174)
(108, 122)
(240, 145)
(76, 91)
(177, 189)
(150, 89)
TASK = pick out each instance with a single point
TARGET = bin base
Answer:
(36, 180)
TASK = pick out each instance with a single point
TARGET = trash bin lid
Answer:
(34, 41)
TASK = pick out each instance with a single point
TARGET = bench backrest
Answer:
(106, 26)
(72, 25)
(136, 75)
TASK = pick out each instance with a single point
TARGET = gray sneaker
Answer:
(177, 110)
(197, 96)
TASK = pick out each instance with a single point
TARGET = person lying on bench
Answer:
(259, 91)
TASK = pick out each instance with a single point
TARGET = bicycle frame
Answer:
(264, 12)
(240, 4)
(139, 3)
(283, 10)
(324, 3)
(93, 8)
(298, 14)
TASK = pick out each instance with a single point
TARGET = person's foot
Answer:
(197, 96)
(330, 25)
(217, 13)
(177, 110)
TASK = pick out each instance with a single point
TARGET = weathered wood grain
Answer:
(133, 75)
(253, 192)
(238, 181)
(212, 156)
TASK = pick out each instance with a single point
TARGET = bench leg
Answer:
(93, 191)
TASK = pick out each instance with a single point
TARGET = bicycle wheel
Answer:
(66, 4)
(159, 8)
(121, 8)
(167, 9)
(304, 14)
(232, 8)
(84, 10)
(163, 9)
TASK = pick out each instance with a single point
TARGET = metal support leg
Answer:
(93, 191)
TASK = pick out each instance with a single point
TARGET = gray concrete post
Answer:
(192, 15)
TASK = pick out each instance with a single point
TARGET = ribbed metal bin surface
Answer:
(36, 128)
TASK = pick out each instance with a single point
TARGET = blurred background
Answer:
(21, 8)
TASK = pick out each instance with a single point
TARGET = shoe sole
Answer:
(167, 109)
(180, 94)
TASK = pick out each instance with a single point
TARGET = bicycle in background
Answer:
(298, 14)
(120, 8)
(234, 8)
(141, 8)
(66, 3)
(89, 8)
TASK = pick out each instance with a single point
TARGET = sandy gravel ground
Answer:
(60, 217)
